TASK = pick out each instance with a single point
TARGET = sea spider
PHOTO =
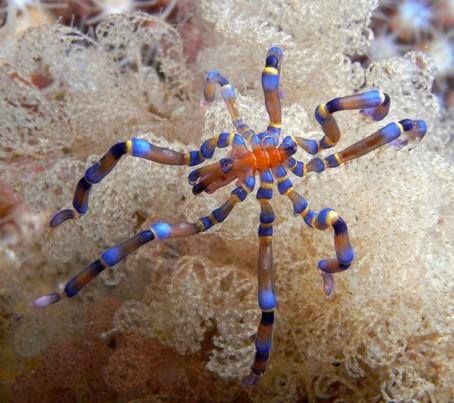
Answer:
(251, 154)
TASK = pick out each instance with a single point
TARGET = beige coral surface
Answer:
(176, 320)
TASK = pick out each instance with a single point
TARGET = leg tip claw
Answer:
(251, 380)
(46, 300)
(328, 283)
(61, 217)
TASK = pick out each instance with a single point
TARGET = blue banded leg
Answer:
(323, 220)
(296, 167)
(238, 195)
(158, 231)
(373, 103)
(270, 85)
(345, 254)
(266, 293)
(224, 140)
(97, 172)
(265, 190)
(413, 129)
(228, 94)
(300, 169)
(210, 177)
(309, 145)
(109, 258)
(284, 184)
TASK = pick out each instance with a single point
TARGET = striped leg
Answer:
(373, 103)
(211, 177)
(324, 219)
(158, 231)
(266, 293)
(228, 94)
(270, 85)
(413, 129)
(135, 147)
(300, 169)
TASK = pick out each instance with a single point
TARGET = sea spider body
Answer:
(251, 155)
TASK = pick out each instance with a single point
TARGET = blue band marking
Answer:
(315, 165)
(367, 99)
(265, 231)
(310, 146)
(266, 217)
(193, 176)
(207, 148)
(298, 170)
(215, 77)
(238, 140)
(331, 161)
(118, 150)
(263, 193)
(270, 82)
(249, 182)
(267, 299)
(267, 318)
(291, 162)
(259, 356)
(380, 111)
(140, 148)
(206, 223)
(94, 173)
(272, 61)
(162, 230)
(284, 186)
(269, 141)
(309, 217)
(112, 255)
(240, 192)
(228, 92)
(83, 186)
(318, 116)
(212, 75)
(266, 176)
(299, 205)
(195, 158)
(275, 51)
(345, 256)
(322, 217)
(255, 141)
(223, 140)
(324, 145)
(73, 286)
(280, 171)
(390, 132)
(289, 146)
(264, 346)
(221, 213)
(417, 126)
(339, 226)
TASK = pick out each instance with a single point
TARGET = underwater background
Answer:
(176, 320)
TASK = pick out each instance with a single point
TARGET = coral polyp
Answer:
(263, 155)
(32, 12)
